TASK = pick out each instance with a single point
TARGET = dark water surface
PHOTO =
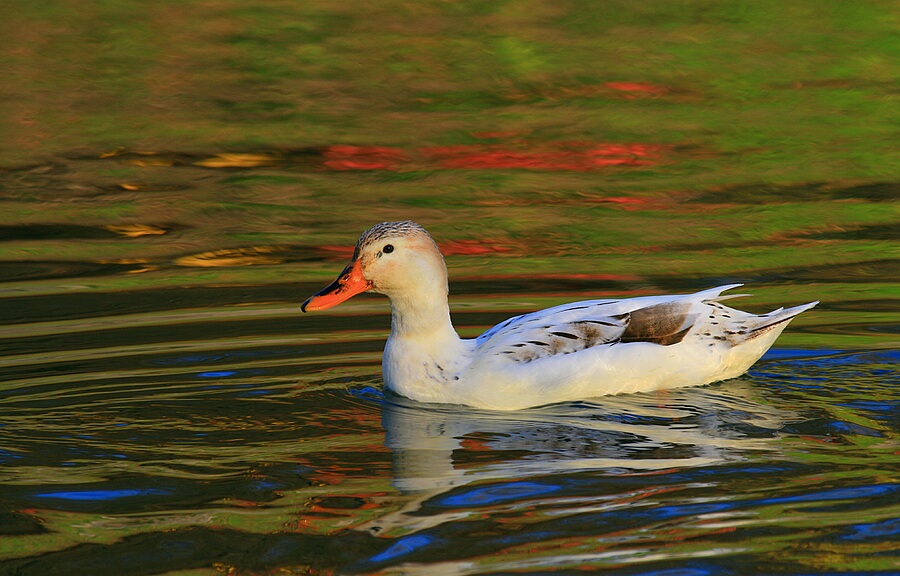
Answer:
(176, 177)
(215, 428)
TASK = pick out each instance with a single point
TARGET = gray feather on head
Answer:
(385, 230)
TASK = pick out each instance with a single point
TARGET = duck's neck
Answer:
(423, 354)
(422, 319)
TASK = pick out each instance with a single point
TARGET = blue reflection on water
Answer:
(877, 530)
(694, 509)
(872, 405)
(230, 373)
(253, 393)
(789, 353)
(850, 493)
(368, 393)
(724, 471)
(7, 455)
(264, 486)
(95, 495)
(488, 495)
(404, 546)
(826, 358)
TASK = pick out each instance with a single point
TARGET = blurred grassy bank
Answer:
(647, 146)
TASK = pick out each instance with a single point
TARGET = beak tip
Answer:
(348, 284)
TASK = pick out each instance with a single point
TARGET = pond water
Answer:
(161, 431)
(176, 178)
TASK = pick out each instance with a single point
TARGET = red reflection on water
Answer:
(628, 202)
(471, 247)
(364, 158)
(562, 156)
(475, 445)
(551, 156)
(343, 251)
(634, 89)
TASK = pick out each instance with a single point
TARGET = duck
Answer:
(571, 352)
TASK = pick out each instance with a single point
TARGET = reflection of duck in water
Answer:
(579, 350)
(450, 461)
(436, 448)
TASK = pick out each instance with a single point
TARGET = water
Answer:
(216, 428)
(176, 179)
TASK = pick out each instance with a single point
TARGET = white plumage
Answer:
(573, 351)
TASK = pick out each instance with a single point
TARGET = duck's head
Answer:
(398, 259)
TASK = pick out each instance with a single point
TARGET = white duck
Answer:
(568, 352)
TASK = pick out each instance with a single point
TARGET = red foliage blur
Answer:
(552, 156)
(637, 88)
(561, 156)
(364, 158)
(471, 247)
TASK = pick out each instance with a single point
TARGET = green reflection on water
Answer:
(151, 150)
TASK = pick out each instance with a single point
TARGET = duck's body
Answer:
(574, 351)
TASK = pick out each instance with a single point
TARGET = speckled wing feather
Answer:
(570, 328)
(564, 329)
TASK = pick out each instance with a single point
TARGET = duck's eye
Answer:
(388, 248)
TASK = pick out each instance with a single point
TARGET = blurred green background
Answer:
(647, 145)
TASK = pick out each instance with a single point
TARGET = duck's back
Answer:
(599, 347)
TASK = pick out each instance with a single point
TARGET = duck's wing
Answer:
(661, 320)
(559, 330)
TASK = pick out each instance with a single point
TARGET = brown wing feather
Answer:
(664, 324)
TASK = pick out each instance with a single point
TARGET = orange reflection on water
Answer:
(558, 156)
(251, 255)
(634, 89)
(364, 158)
(552, 156)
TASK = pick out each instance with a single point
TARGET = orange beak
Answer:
(350, 283)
